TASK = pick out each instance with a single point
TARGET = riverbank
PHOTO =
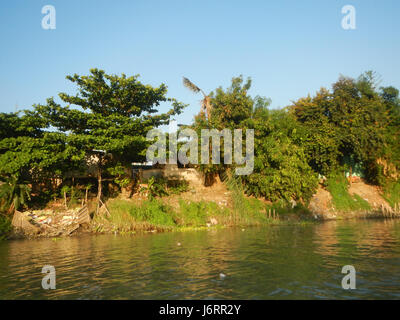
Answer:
(198, 208)
(201, 208)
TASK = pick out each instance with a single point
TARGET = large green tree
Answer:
(281, 170)
(348, 122)
(109, 118)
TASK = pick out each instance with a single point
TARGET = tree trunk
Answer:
(65, 200)
(99, 189)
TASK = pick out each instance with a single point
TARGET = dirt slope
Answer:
(322, 208)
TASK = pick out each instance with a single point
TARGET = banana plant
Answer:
(14, 194)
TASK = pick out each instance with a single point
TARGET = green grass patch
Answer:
(128, 216)
(338, 187)
(198, 214)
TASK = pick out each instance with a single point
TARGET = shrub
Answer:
(156, 187)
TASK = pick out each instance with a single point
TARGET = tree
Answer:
(230, 109)
(111, 118)
(281, 170)
(348, 122)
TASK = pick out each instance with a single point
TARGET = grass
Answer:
(338, 187)
(392, 193)
(130, 217)
(198, 214)
(154, 215)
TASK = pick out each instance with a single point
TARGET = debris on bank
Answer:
(50, 223)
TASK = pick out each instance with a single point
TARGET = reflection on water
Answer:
(282, 262)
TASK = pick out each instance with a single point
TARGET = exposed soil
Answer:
(322, 208)
(217, 193)
(321, 204)
(371, 194)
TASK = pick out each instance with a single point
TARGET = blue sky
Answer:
(288, 48)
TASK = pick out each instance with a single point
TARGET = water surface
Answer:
(280, 262)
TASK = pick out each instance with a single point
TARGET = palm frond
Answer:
(190, 85)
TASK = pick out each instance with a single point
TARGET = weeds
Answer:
(392, 193)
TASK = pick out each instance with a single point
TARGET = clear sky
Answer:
(288, 48)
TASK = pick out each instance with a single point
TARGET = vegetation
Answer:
(392, 194)
(159, 187)
(354, 127)
(338, 185)
(154, 215)
(13, 194)
(104, 125)
(5, 227)
(355, 120)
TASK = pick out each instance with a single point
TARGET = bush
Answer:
(156, 187)
(281, 170)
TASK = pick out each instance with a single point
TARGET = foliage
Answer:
(105, 123)
(128, 217)
(14, 194)
(177, 186)
(351, 121)
(112, 116)
(231, 107)
(281, 170)
(392, 193)
(5, 227)
(159, 187)
(156, 187)
(121, 176)
(247, 211)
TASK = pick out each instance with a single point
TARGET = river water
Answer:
(277, 262)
